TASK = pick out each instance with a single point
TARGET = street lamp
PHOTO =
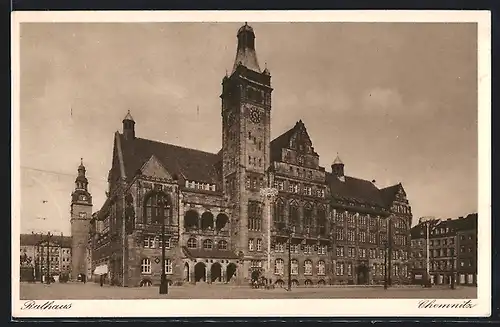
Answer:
(385, 244)
(48, 258)
(427, 221)
(269, 194)
(289, 232)
(163, 281)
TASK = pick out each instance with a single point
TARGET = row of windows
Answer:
(254, 161)
(200, 186)
(251, 243)
(341, 216)
(254, 140)
(295, 248)
(297, 188)
(146, 266)
(279, 267)
(254, 183)
(294, 214)
(156, 242)
(208, 244)
(372, 253)
(340, 234)
(342, 269)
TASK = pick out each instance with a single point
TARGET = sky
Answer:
(396, 101)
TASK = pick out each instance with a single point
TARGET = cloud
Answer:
(389, 101)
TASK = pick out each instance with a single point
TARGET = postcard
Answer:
(251, 163)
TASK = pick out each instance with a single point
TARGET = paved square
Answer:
(89, 291)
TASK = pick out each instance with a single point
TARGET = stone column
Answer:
(208, 273)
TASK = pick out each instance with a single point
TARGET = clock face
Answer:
(255, 116)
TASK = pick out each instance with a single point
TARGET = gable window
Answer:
(156, 208)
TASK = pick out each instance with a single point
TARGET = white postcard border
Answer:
(264, 307)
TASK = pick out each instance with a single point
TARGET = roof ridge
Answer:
(176, 146)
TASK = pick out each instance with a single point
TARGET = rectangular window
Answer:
(349, 269)
(250, 244)
(340, 251)
(339, 269)
(259, 244)
(339, 234)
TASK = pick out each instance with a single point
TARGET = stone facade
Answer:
(218, 226)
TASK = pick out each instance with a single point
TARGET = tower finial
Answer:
(81, 161)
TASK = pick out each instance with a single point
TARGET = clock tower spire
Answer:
(246, 115)
(81, 212)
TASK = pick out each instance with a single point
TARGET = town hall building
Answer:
(339, 229)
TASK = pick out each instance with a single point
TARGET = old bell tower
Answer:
(81, 213)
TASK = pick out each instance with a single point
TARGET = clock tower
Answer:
(81, 213)
(246, 121)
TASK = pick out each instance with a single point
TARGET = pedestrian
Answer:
(85, 279)
(101, 280)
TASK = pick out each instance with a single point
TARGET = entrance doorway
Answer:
(216, 272)
(200, 272)
(231, 271)
(362, 274)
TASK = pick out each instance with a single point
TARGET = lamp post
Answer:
(385, 263)
(330, 237)
(389, 251)
(452, 285)
(269, 194)
(48, 258)
(289, 231)
(163, 281)
(427, 221)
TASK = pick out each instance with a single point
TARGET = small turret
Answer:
(128, 127)
(338, 168)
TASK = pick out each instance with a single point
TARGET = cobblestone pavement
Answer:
(78, 291)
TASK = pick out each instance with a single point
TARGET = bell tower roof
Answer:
(245, 53)
(338, 161)
(128, 117)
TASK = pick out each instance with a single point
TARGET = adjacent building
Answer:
(41, 252)
(452, 251)
(339, 229)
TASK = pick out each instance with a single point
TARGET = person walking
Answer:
(101, 280)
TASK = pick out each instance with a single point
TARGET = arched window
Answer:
(279, 211)
(279, 267)
(191, 219)
(192, 243)
(208, 244)
(308, 267)
(321, 220)
(295, 267)
(308, 213)
(146, 266)
(321, 268)
(207, 220)
(157, 208)
(168, 266)
(294, 214)
(222, 245)
(254, 216)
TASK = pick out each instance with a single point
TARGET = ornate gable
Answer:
(154, 168)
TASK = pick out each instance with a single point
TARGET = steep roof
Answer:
(389, 193)
(283, 141)
(355, 189)
(187, 164)
(33, 239)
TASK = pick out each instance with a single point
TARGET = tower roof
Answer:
(128, 116)
(338, 161)
(245, 53)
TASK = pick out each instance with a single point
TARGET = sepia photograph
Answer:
(314, 160)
